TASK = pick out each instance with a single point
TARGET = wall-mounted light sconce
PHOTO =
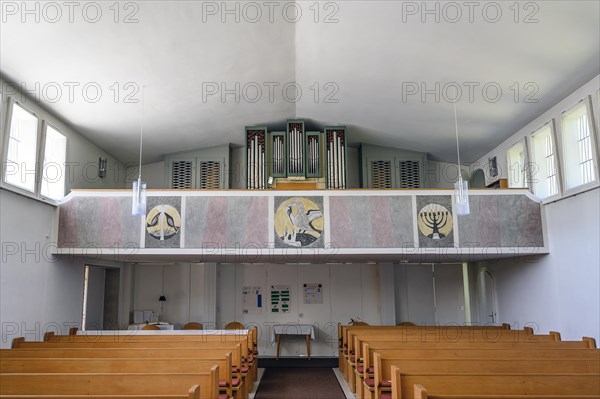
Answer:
(101, 167)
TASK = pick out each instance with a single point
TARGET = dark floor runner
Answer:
(299, 383)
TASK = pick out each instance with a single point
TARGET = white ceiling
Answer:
(362, 62)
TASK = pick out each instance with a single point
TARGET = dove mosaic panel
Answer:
(298, 222)
(163, 222)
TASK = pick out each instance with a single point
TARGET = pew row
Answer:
(233, 379)
(83, 384)
(563, 385)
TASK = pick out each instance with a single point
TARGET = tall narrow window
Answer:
(577, 147)
(53, 172)
(20, 167)
(544, 176)
(517, 159)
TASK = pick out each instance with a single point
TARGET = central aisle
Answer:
(299, 383)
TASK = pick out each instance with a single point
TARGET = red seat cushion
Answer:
(223, 396)
(223, 384)
(245, 369)
(360, 369)
(235, 369)
(386, 384)
(370, 382)
(255, 353)
(371, 370)
(386, 395)
(235, 382)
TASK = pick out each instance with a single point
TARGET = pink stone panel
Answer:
(381, 223)
(257, 229)
(341, 230)
(109, 222)
(489, 233)
(215, 229)
(67, 224)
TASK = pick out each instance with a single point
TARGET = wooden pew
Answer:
(421, 393)
(344, 330)
(124, 365)
(248, 364)
(152, 347)
(412, 335)
(436, 334)
(154, 384)
(497, 385)
(413, 349)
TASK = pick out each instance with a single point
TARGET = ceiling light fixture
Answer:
(138, 204)
(461, 187)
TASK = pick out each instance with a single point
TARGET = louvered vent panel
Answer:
(381, 174)
(210, 174)
(182, 174)
(410, 176)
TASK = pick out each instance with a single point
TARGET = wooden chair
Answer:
(234, 325)
(192, 325)
(150, 327)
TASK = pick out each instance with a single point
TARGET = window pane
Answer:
(543, 163)
(22, 149)
(53, 173)
(576, 139)
(517, 176)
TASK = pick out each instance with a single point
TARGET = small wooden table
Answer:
(307, 330)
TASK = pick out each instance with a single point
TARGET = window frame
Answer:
(42, 161)
(40, 152)
(557, 162)
(594, 147)
(7, 127)
(526, 168)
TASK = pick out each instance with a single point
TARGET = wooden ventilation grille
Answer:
(182, 174)
(210, 174)
(410, 174)
(381, 174)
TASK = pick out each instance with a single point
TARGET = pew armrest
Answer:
(420, 392)
(194, 392)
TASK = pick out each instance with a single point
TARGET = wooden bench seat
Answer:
(148, 350)
(421, 393)
(229, 385)
(193, 393)
(468, 336)
(464, 385)
(110, 384)
(556, 350)
(214, 337)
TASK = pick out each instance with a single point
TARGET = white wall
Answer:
(444, 174)
(40, 292)
(559, 291)
(183, 288)
(95, 302)
(349, 291)
(152, 173)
